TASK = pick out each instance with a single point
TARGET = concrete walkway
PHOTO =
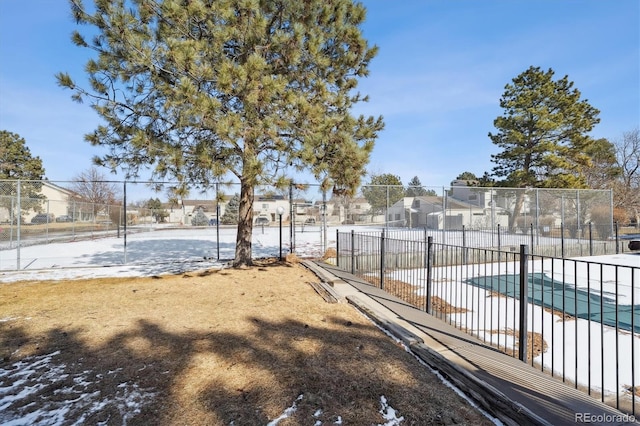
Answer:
(510, 390)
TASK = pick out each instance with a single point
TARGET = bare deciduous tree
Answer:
(627, 187)
(94, 188)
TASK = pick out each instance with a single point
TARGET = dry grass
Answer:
(400, 289)
(535, 343)
(445, 308)
(633, 390)
(407, 292)
(222, 347)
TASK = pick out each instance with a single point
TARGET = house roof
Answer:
(68, 192)
(451, 203)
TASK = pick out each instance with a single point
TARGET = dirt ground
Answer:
(217, 347)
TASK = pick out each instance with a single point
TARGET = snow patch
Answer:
(287, 413)
(65, 397)
(389, 413)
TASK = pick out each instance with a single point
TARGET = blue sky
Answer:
(437, 79)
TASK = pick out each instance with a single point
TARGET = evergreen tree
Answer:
(543, 134)
(231, 211)
(414, 188)
(200, 219)
(382, 192)
(603, 168)
(198, 90)
(486, 180)
(157, 211)
(469, 178)
(16, 162)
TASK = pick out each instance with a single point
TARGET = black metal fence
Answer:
(559, 241)
(580, 320)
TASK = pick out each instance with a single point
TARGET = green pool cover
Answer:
(546, 292)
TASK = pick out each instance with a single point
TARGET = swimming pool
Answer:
(549, 293)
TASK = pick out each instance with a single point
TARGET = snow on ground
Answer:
(63, 395)
(172, 251)
(578, 349)
(146, 254)
(155, 252)
(78, 396)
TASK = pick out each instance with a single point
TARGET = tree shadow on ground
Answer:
(158, 250)
(148, 374)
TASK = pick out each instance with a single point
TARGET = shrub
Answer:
(199, 219)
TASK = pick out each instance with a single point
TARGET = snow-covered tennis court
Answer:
(152, 252)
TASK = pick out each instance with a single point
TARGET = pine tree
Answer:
(231, 211)
(543, 134)
(157, 211)
(199, 90)
(17, 163)
(414, 188)
(469, 178)
(382, 192)
(199, 219)
(603, 168)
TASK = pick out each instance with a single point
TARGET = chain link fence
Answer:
(298, 218)
(451, 208)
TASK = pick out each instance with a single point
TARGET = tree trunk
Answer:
(245, 225)
(513, 219)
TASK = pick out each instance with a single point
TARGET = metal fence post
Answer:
(425, 240)
(218, 222)
(464, 245)
(47, 223)
(353, 256)
(524, 301)
(615, 228)
(464, 236)
(531, 229)
(292, 241)
(590, 240)
(19, 223)
(562, 239)
(429, 277)
(382, 260)
(337, 248)
(124, 232)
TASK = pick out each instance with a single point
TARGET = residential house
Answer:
(435, 212)
(263, 207)
(183, 211)
(266, 206)
(350, 210)
(54, 199)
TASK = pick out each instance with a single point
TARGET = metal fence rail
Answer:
(560, 241)
(580, 320)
